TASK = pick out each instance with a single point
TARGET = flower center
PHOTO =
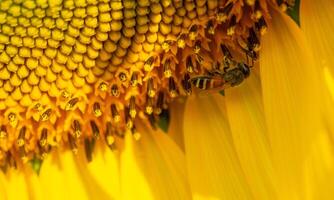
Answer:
(74, 71)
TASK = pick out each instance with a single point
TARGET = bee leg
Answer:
(220, 73)
(226, 66)
(211, 73)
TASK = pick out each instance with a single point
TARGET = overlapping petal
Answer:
(246, 118)
(175, 130)
(153, 167)
(14, 185)
(61, 179)
(101, 175)
(318, 26)
(213, 165)
(291, 103)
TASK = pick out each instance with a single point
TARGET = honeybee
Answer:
(218, 79)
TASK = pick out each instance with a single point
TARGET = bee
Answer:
(218, 79)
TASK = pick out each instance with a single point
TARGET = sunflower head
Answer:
(76, 71)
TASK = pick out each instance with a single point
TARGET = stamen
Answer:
(166, 45)
(250, 2)
(44, 137)
(44, 152)
(150, 88)
(11, 161)
(114, 90)
(134, 79)
(89, 146)
(210, 27)
(72, 143)
(3, 132)
(160, 103)
(232, 25)
(23, 154)
(253, 41)
(135, 133)
(38, 107)
(45, 115)
(199, 59)
(71, 103)
(65, 94)
(227, 59)
(148, 65)
(149, 105)
(197, 46)
(257, 13)
(122, 77)
(189, 65)
(103, 87)
(108, 134)
(167, 70)
(132, 107)
(193, 32)
(115, 115)
(223, 13)
(97, 109)
(128, 120)
(261, 26)
(186, 84)
(12, 119)
(21, 138)
(181, 41)
(172, 87)
(76, 128)
(95, 129)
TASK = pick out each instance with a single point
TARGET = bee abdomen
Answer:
(203, 83)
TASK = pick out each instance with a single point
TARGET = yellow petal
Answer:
(153, 167)
(245, 114)
(15, 185)
(61, 179)
(101, 175)
(291, 102)
(213, 166)
(33, 184)
(21, 183)
(329, 81)
(3, 183)
(176, 122)
(318, 25)
(319, 174)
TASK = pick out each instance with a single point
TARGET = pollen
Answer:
(76, 71)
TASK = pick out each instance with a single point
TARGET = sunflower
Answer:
(84, 85)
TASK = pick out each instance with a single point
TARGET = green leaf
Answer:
(294, 12)
(164, 119)
(36, 164)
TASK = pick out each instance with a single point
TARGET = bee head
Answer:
(245, 69)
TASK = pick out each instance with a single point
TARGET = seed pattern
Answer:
(73, 70)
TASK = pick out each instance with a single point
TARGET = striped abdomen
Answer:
(206, 82)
